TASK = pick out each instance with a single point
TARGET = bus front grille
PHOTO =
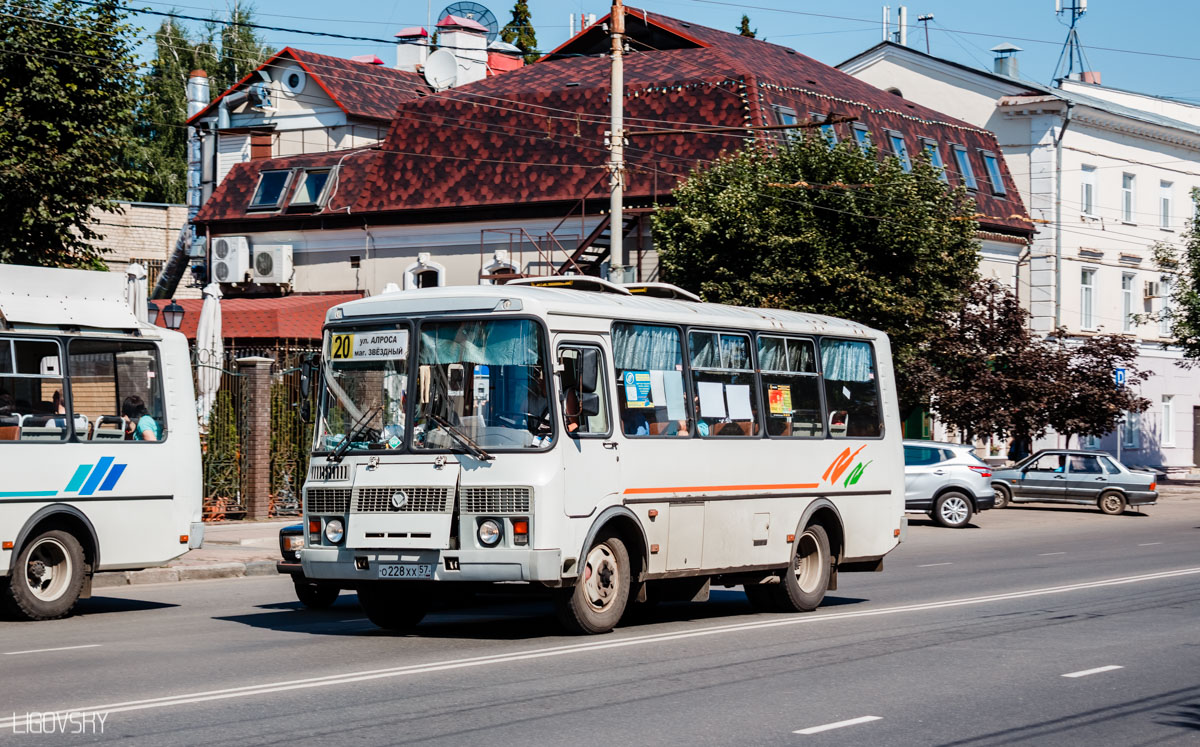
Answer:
(507, 500)
(423, 500)
(327, 500)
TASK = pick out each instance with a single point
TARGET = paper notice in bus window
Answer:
(637, 389)
(779, 399)
(658, 389)
(739, 402)
(673, 390)
(712, 399)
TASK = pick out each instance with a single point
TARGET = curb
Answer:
(174, 574)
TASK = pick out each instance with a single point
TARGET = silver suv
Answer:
(947, 481)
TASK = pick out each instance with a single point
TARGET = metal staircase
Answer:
(597, 245)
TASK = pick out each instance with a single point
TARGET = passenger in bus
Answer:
(57, 403)
(139, 426)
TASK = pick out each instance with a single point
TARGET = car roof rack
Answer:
(662, 290)
(573, 282)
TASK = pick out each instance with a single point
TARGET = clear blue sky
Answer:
(1135, 45)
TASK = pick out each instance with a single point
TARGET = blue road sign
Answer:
(1119, 376)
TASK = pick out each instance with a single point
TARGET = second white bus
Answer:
(613, 445)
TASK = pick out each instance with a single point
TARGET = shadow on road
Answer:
(927, 522)
(104, 605)
(491, 616)
(1073, 509)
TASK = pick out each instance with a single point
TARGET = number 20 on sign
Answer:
(341, 346)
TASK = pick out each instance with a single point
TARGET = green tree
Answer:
(241, 49)
(826, 230)
(1087, 400)
(68, 93)
(1181, 279)
(744, 28)
(519, 31)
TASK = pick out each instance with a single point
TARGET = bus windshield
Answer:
(366, 382)
(482, 380)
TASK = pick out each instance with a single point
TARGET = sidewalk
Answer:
(230, 549)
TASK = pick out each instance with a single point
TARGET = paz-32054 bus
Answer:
(99, 451)
(611, 444)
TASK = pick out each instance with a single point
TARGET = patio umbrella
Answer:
(135, 290)
(210, 353)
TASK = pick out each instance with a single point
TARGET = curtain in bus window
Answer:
(723, 375)
(790, 387)
(649, 363)
(509, 342)
(851, 389)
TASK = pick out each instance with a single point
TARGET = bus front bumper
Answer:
(499, 564)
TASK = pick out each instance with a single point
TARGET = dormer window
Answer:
(900, 150)
(272, 186)
(313, 188)
(935, 157)
(993, 169)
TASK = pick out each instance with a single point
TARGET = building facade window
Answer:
(965, 172)
(1131, 430)
(935, 157)
(992, 163)
(1164, 204)
(1127, 184)
(862, 136)
(1087, 196)
(424, 273)
(1168, 420)
(827, 130)
(1164, 316)
(900, 150)
(1126, 302)
(1087, 299)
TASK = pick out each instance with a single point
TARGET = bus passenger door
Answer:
(590, 456)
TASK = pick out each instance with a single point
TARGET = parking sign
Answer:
(1119, 376)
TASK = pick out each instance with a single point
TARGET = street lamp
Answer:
(151, 312)
(173, 315)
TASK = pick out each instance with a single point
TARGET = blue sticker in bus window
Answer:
(637, 389)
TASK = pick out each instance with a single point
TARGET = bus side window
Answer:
(851, 389)
(790, 387)
(723, 376)
(584, 391)
(32, 402)
(652, 397)
(117, 386)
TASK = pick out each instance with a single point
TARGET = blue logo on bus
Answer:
(89, 478)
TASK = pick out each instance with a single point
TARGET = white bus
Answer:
(99, 450)
(612, 444)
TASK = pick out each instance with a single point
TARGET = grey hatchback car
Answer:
(1082, 477)
(947, 481)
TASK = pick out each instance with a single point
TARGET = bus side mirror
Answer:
(589, 404)
(306, 373)
(589, 370)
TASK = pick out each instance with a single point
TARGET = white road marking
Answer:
(44, 650)
(602, 645)
(1097, 670)
(837, 725)
(1045, 554)
(932, 565)
(1147, 544)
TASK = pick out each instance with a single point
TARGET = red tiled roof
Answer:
(297, 317)
(536, 135)
(360, 89)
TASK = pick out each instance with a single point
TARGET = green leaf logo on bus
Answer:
(839, 465)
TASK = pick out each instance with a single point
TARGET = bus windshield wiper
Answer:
(473, 448)
(360, 424)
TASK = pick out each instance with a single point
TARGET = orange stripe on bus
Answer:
(695, 488)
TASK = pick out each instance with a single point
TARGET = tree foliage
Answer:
(745, 30)
(990, 376)
(1181, 273)
(68, 92)
(826, 230)
(519, 31)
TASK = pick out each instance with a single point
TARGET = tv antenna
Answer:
(1072, 51)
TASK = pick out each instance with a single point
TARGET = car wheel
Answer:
(47, 577)
(952, 510)
(316, 595)
(1003, 497)
(1112, 503)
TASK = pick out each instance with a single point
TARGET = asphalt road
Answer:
(1032, 626)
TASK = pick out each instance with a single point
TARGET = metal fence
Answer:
(224, 456)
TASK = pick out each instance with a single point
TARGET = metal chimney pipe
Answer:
(903, 21)
(887, 22)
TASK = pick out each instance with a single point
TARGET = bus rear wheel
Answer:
(803, 587)
(394, 606)
(47, 577)
(597, 600)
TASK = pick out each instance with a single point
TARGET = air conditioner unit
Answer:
(1153, 289)
(230, 259)
(273, 263)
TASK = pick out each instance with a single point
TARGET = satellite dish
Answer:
(477, 13)
(441, 70)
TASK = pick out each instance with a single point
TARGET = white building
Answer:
(1106, 174)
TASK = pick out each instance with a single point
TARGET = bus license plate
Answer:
(406, 570)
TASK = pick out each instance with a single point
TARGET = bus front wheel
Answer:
(597, 600)
(47, 577)
(391, 606)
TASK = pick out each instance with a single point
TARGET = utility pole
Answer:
(618, 262)
(925, 19)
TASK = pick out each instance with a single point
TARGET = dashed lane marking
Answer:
(1097, 670)
(837, 725)
(45, 650)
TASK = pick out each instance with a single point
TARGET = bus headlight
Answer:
(489, 532)
(334, 531)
